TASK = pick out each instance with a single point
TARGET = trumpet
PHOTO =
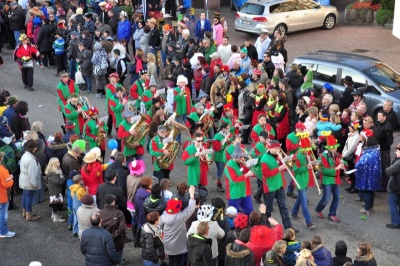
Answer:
(226, 139)
(183, 92)
(288, 163)
(83, 113)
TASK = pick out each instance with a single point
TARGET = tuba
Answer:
(165, 161)
(101, 135)
(141, 127)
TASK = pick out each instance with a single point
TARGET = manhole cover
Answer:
(360, 51)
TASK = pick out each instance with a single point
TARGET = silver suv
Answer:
(381, 81)
(284, 15)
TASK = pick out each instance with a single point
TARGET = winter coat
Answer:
(295, 80)
(205, 84)
(124, 30)
(17, 19)
(138, 201)
(322, 256)
(113, 189)
(9, 160)
(55, 183)
(369, 170)
(154, 205)
(152, 245)
(45, 37)
(367, 260)
(122, 174)
(137, 36)
(224, 224)
(19, 124)
(154, 38)
(289, 256)
(385, 132)
(92, 176)
(144, 43)
(98, 247)
(96, 60)
(175, 230)
(86, 65)
(238, 254)
(340, 253)
(394, 178)
(55, 149)
(351, 144)
(69, 163)
(199, 250)
(113, 221)
(83, 214)
(31, 174)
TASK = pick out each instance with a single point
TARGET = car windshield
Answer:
(252, 9)
(384, 76)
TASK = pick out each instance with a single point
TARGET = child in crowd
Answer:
(341, 254)
(293, 247)
(59, 51)
(165, 186)
(231, 213)
(55, 180)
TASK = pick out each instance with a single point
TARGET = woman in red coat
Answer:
(24, 55)
(92, 175)
(282, 120)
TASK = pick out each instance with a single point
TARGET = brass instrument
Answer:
(141, 128)
(288, 163)
(83, 101)
(168, 123)
(101, 135)
(83, 113)
(183, 92)
(207, 121)
(226, 139)
(287, 167)
(209, 158)
(165, 161)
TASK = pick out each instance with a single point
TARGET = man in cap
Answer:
(124, 27)
(16, 20)
(84, 212)
(68, 130)
(189, 23)
(93, 129)
(178, 70)
(109, 92)
(262, 44)
(110, 187)
(358, 103)
(156, 150)
(209, 49)
(167, 38)
(274, 181)
(154, 39)
(9, 112)
(251, 49)
(245, 61)
(346, 99)
(237, 182)
(138, 87)
(183, 102)
(221, 140)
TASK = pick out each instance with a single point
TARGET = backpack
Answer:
(104, 63)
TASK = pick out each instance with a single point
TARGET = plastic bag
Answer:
(79, 78)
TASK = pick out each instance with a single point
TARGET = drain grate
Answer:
(360, 51)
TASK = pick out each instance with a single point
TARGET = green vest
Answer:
(274, 182)
(259, 149)
(117, 110)
(219, 155)
(236, 189)
(159, 143)
(300, 169)
(127, 151)
(140, 90)
(193, 165)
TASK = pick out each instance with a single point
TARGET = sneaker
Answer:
(98, 95)
(219, 188)
(310, 226)
(292, 195)
(124, 261)
(31, 89)
(333, 218)
(393, 226)
(26, 86)
(364, 211)
(320, 215)
(69, 227)
(57, 219)
(8, 235)
(295, 217)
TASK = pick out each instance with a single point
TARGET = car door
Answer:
(313, 16)
(292, 16)
(324, 73)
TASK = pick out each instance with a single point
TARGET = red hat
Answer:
(227, 107)
(225, 68)
(173, 206)
(257, 72)
(92, 111)
(355, 125)
(331, 141)
(241, 221)
(367, 133)
(300, 125)
(305, 142)
(260, 86)
(69, 125)
(114, 75)
(274, 144)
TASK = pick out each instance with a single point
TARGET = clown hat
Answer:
(205, 213)
(238, 152)
(300, 125)
(355, 125)
(137, 167)
(173, 206)
(305, 142)
(92, 111)
(241, 221)
(324, 116)
(114, 75)
(227, 107)
(366, 133)
(331, 141)
(257, 72)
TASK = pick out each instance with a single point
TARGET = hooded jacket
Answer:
(152, 204)
(367, 260)
(237, 254)
(152, 245)
(87, 66)
(199, 250)
(92, 176)
(55, 149)
(139, 200)
(55, 183)
(340, 253)
(30, 176)
(322, 256)
(83, 214)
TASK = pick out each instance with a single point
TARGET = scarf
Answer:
(139, 64)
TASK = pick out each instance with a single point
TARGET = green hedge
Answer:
(383, 16)
(387, 4)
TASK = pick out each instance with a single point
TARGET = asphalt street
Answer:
(52, 244)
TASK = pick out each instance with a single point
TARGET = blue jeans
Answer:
(150, 263)
(163, 57)
(182, 120)
(220, 170)
(153, 51)
(394, 207)
(27, 197)
(327, 190)
(280, 197)
(369, 197)
(3, 218)
(88, 81)
(16, 37)
(70, 203)
(120, 255)
(72, 69)
(243, 204)
(302, 201)
(290, 187)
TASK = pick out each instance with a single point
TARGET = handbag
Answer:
(27, 63)
(79, 78)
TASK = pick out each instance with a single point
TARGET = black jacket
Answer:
(252, 52)
(152, 246)
(113, 221)
(154, 39)
(205, 84)
(113, 189)
(153, 205)
(346, 99)
(269, 68)
(199, 250)
(392, 119)
(367, 260)
(385, 132)
(98, 247)
(113, 22)
(295, 80)
(188, 73)
(238, 255)
(45, 37)
(19, 125)
(340, 253)
(178, 70)
(122, 174)
(17, 19)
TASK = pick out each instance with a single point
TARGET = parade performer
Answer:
(332, 163)
(259, 101)
(221, 140)
(156, 149)
(94, 131)
(116, 103)
(138, 88)
(76, 113)
(183, 103)
(150, 94)
(110, 90)
(237, 182)
(261, 126)
(258, 152)
(232, 120)
(231, 148)
(194, 117)
(65, 88)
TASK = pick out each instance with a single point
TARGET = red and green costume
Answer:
(258, 152)
(183, 105)
(116, 107)
(122, 133)
(72, 114)
(272, 177)
(237, 185)
(110, 91)
(91, 131)
(147, 98)
(232, 121)
(292, 143)
(229, 151)
(156, 149)
(218, 147)
(64, 92)
(257, 129)
(330, 176)
(137, 90)
(193, 165)
(301, 171)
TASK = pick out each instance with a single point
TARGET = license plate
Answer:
(245, 22)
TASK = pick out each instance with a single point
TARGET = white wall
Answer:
(396, 21)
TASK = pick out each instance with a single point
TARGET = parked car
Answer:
(381, 82)
(237, 4)
(284, 15)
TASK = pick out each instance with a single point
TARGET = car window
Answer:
(371, 88)
(384, 76)
(359, 80)
(326, 73)
(252, 9)
(303, 5)
(279, 8)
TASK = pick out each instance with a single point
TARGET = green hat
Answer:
(79, 143)
(276, 79)
(243, 50)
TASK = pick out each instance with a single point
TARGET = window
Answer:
(252, 9)
(326, 73)
(358, 79)
(385, 77)
(371, 88)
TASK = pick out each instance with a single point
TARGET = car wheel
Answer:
(329, 22)
(282, 29)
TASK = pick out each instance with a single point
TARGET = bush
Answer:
(383, 16)
(387, 4)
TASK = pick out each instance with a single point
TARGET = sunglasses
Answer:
(199, 140)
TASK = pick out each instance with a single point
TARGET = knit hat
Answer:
(205, 213)
(274, 144)
(90, 157)
(243, 50)
(12, 100)
(76, 178)
(171, 84)
(306, 99)
(114, 75)
(241, 221)
(231, 210)
(367, 133)
(173, 206)
(331, 141)
(218, 202)
(87, 200)
(275, 79)
(328, 87)
(69, 125)
(225, 68)
(182, 78)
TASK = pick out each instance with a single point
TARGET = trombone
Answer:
(287, 167)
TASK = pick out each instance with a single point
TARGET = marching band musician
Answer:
(258, 152)
(124, 131)
(232, 120)
(198, 128)
(75, 112)
(274, 182)
(259, 102)
(110, 90)
(183, 102)
(261, 126)
(194, 117)
(231, 148)
(150, 94)
(331, 162)
(92, 130)
(156, 149)
(303, 173)
(116, 104)
(65, 88)
(138, 88)
(221, 141)
(237, 182)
